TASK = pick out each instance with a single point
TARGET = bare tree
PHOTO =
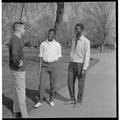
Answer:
(99, 13)
(59, 14)
(75, 7)
(21, 12)
(31, 12)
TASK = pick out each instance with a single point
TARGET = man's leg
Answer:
(41, 89)
(71, 81)
(81, 81)
(20, 91)
(53, 76)
(16, 108)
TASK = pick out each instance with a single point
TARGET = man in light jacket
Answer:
(80, 56)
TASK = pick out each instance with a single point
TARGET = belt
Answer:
(50, 62)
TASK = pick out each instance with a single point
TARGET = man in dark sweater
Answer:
(16, 64)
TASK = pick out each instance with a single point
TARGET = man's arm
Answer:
(59, 53)
(16, 58)
(40, 57)
(87, 57)
(40, 63)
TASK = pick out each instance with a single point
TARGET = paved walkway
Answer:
(99, 93)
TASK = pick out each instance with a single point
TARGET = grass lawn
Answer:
(32, 78)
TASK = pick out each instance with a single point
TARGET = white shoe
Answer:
(52, 103)
(38, 105)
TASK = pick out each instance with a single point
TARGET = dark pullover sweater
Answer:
(16, 46)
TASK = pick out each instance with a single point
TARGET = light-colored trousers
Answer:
(20, 94)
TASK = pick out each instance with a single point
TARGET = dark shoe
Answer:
(77, 104)
(17, 115)
(70, 102)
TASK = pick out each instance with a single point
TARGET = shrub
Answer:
(28, 44)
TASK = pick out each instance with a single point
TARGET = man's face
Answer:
(22, 29)
(78, 31)
(50, 35)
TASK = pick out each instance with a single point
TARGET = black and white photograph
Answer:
(59, 59)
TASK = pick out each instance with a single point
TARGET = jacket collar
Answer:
(81, 37)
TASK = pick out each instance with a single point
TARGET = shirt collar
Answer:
(51, 41)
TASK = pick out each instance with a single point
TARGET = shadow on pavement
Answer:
(58, 96)
(6, 101)
(32, 94)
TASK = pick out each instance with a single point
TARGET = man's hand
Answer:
(21, 63)
(83, 72)
(39, 71)
(59, 60)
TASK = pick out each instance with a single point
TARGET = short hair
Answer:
(52, 29)
(16, 24)
(80, 25)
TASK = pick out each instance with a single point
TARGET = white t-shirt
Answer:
(50, 51)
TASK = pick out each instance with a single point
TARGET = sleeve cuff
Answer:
(40, 55)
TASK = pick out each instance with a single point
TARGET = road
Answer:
(99, 93)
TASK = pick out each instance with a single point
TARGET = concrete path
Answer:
(99, 98)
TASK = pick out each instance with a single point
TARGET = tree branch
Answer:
(38, 12)
(21, 13)
(26, 13)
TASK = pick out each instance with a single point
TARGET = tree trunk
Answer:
(103, 43)
(21, 13)
(59, 15)
(101, 48)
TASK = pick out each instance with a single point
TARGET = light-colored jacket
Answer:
(82, 52)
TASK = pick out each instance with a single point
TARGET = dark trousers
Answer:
(51, 70)
(74, 71)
